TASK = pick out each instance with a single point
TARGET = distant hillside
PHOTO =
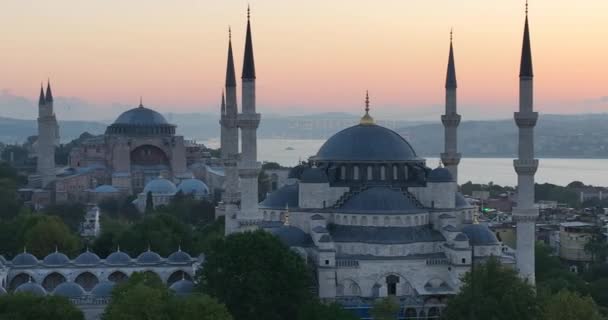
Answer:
(15, 130)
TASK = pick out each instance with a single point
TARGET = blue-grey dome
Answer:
(479, 234)
(56, 259)
(366, 143)
(193, 186)
(103, 289)
(118, 258)
(179, 257)
(24, 259)
(32, 288)
(105, 189)
(440, 175)
(285, 196)
(314, 175)
(461, 201)
(182, 287)
(381, 200)
(292, 236)
(149, 257)
(160, 186)
(69, 290)
(141, 116)
(87, 259)
(461, 237)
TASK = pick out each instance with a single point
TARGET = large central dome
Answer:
(141, 116)
(366, 142)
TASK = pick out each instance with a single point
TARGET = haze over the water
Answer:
(315, 56)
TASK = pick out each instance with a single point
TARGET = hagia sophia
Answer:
(367, 214)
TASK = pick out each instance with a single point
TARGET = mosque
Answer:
(366, 212)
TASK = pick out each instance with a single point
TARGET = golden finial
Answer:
(451, 33)
(526, 8)
(286, 222)
(229, 33)
(248, 12)
(367, 119)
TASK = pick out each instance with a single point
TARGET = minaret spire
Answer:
(451, 119)
(450, 80)
(41, 99)
(248, 61)
(49, 94)
(230, 77)
(525, 68)
(223, 106)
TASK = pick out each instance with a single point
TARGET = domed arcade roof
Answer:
(118, 258)
(141, 116)
(193, 186)
(179, 256)
(31, 287)
(149, 257)
(160, 186)
(69, 290)
(56, 259)
(366, 142)
(103, 289)
(24, 259)
(182, 287)
(87, 258)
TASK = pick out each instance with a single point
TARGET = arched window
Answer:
(356, 172)
(118, 276)
(353, 220)
(19, 280)
(51, 281)
(391, 285)
(370, 173)
(343, 173)
(383, 173)
(405, 172)
(87, 280)
(387, 221)
(364, 221)
(395, 172)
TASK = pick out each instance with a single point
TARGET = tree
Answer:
(385, 309)
(162, 232)
(71, 214)
(149, 202)
(29, 307)
(599, 291)
(198, 307)
(552, 275)
(492, 291)
(47, 234)
(316, 310)
(256, 276)
(597, 246)
(566, 305)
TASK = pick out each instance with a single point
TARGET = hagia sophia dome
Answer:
(141, 120)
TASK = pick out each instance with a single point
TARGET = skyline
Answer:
(174, 55)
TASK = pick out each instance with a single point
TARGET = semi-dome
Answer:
(440, 175)
(182, 287)
(87, 259)
(104, 188)
(24, 259)
(103, 289)
(141, 116)
(179, 256)
(69, 290)
(479, 234)
(193, 186)
(160, 186)
(118, 258)
(56, 259)
(31, 288)
(365, 142)
(381, 200)
(292, 236)
(149, 257)
(286, 196)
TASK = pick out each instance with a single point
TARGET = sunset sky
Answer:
(311, 56)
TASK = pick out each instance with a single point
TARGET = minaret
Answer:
(230, 144)
(248, 122)
(451, 119)
(47, 137)
(525, 214)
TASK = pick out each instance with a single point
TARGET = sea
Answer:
(288, 152)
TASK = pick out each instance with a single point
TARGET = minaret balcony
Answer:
(228, 122)
(525, 167)
(450, 159)
(249, 120)
(526, 119)
(450, 120)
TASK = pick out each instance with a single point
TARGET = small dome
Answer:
(56, 259)
(24, 259)
(314, 175)
(32, 288)
(292, 236)
(461, 237)
(182, 287)
(480, 234)
(105, 189)
(103, 289)
(69, 290)
(440, 175)
(160, 186)
(193, 186)
(366, 143)
(118, 258)
(179, 257)
(149, 257)
(141, 116)
(286, 196)
(87, 259)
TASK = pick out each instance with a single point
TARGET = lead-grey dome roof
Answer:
(440, 175)
(479, 234)
(106, 189)
(182, 287)
(287, 195)
(69, 290)
(292, 236)
(381, 200)
(160, 186)
(118, 258)
(366, 143)
(141, 116)
(56, 259)
(87, 258)
(179, 256)
(193, 186)
(149, 257)
(24, 259)
(103, 289)
(31, 287)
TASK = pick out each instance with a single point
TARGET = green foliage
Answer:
(19, 155)
(71, 214)
(145, 297)
(268, 165)
(493, 291)
(315, 310)
(599, 291)
(190, 210)
(597, 246)
(29, 307)
(552, 275)
(547, 191)
(566, 305)
(10, 181)
(494, 189)
(149, 203)
(385, 309)
(256, 276)
(45, 234)
(118, 208)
